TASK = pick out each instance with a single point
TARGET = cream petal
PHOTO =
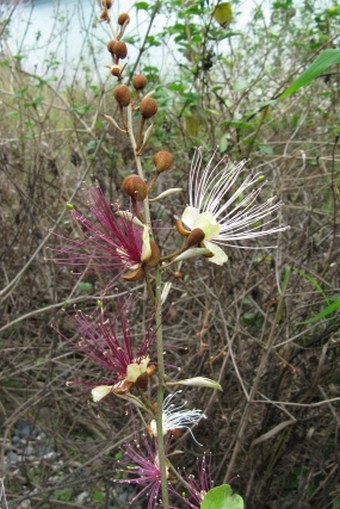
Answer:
(219, 257)
(100, 392)
(146, 247)
(189, 216)
(191, 253)
(206, 221)
(208, 224)
(135, 369)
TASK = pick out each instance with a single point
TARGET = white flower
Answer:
(176, 416)
(225, 210)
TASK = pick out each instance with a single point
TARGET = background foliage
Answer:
(276, 354)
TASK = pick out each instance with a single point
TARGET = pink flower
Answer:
(116, 242)
(197, 487)
(101, 342)
(143, 470)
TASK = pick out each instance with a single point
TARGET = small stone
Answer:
(12, 458)
(28, 451)
(25, 429)
(83, 497)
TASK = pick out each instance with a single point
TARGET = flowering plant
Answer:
(115, 242)
(224, 207)
(109, 342)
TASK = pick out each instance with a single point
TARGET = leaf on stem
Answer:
(222, 497)
(198, 381)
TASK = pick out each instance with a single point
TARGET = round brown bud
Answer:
(134, 186)
(108, 4)
(148, 107)
(120, 49)
(116, 70)
(139, 81)
(111, 46)
(178, 274)
(122, 95)
(162, 160)
(155, 257)
(123, 18)
(196, 236)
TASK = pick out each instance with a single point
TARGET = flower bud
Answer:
(120, 49)
(155, 255)
(122, 95)
(195, 237)
(178, 274)
(134, 186)
(108, 3)
(162, 160)
(148, 107)
(123, 18)
(139, 81)
(111, 46)
(116, 70)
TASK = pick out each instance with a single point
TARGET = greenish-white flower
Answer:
(225, 209)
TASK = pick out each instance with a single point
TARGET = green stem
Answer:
(159, 334)
(160, 392)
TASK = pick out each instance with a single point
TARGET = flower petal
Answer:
(219, 257)
(191, 253)
(101, 391)
(146, 247)
(208, 224)
(135, 369)
(189, 216)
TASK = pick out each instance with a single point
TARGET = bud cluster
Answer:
(136, 110)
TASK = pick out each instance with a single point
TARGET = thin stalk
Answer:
(160, 391)
(159, 334)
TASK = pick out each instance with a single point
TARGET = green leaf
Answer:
(266, 149)
(328, 310)
(222, 497)
(198, 381)
(142, 6)
(223, 14)
(81, 109)
(321, 63)
(223, 142)
(85, 286)
(313, 282)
